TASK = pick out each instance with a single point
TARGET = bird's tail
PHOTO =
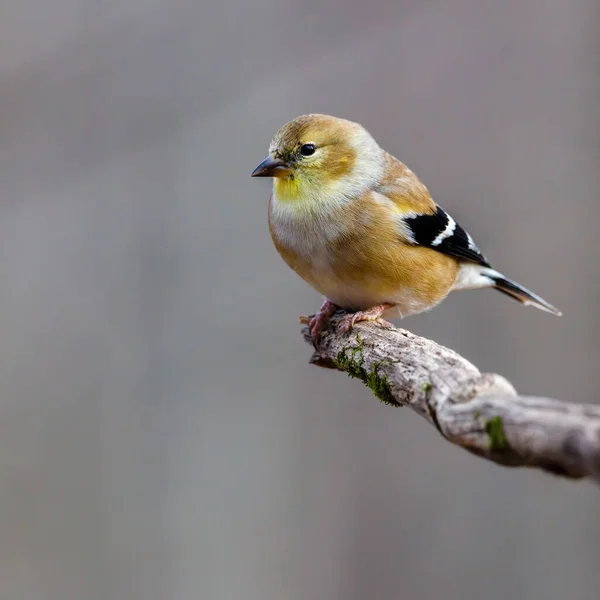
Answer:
(475, 276)
(520, 293)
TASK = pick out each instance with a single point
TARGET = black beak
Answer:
(271, 167)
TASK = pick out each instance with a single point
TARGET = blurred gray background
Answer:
(161, 433)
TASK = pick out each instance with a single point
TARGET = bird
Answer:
(361, 228)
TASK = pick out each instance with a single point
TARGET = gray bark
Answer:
(481, 412)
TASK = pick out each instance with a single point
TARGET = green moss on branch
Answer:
(352, 360)
(495, 430)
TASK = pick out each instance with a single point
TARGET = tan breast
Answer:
(356, 258)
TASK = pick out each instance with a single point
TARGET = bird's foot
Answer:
(318, 322)
(372, 314)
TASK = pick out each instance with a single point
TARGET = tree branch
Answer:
(480, 412)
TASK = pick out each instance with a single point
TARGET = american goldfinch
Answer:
(360, 227)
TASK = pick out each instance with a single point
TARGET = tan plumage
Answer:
(367, 263)
(360, 227)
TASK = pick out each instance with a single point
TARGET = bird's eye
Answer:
(307, 150)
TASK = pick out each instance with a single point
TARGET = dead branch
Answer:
(480, 412)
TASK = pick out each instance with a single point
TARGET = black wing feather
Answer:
(426, 229)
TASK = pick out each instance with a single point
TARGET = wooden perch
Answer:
(479, 411)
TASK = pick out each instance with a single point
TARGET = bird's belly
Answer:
(364, 293)
(361, 285)
(358, 268)
(351, 295)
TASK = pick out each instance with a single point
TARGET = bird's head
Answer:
(316, 158)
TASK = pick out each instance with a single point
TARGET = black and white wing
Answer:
(439, 231)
